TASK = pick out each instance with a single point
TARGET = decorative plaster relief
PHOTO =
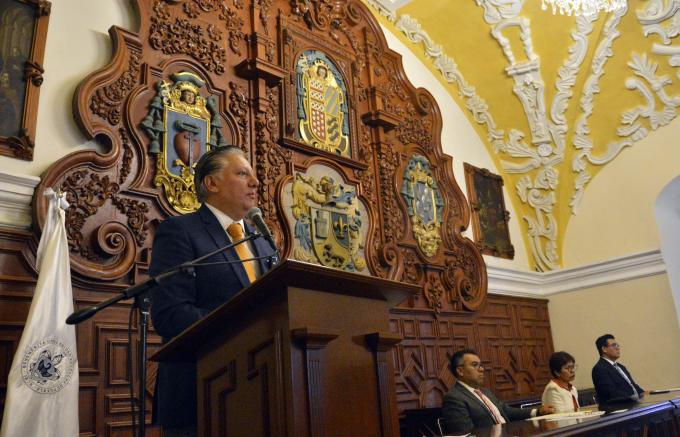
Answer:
(548, 134)
(391, 5)
(652, 89)
(497, 10)
(591, 87)
(538, 194)
(567, 78)
(651, 18)
(548, 140)
(388, 13)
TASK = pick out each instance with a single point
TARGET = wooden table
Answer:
(653, 415)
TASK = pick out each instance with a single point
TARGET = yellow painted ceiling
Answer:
(616, 85)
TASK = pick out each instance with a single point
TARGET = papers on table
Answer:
(665, 390)
(564, 416)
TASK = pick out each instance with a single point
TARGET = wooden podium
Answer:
(301, 352)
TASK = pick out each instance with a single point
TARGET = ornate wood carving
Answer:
(245, 51)
(22, 144)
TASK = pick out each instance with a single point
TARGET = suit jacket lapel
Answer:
(219, 236)
(479, 402)
(612, 370)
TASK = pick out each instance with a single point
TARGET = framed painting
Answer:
(489, 216)
(23, 30)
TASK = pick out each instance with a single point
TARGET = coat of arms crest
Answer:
(182, 126)
(424, 204)
(328, 223)
(322, 104)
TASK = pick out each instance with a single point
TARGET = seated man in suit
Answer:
(612, 381)
(226, 185)
(468, 405)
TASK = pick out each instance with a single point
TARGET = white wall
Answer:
(77, 44)
(641, 315)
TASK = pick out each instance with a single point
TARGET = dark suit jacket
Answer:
(610, 385)
(463, 411)
(183, 300)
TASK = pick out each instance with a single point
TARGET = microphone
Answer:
(255, 216)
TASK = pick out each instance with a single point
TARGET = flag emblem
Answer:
(47, 366)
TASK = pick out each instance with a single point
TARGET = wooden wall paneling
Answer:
(87, 408)
(248, 65)
(511, 335)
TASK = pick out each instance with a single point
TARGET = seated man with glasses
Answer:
(468, 405)
(560, 392)
(612, 381)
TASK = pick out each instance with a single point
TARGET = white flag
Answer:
(42, 387)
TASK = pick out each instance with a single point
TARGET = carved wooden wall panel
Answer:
(244, 56)
(511, 335)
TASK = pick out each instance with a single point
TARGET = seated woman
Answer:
(559, 392)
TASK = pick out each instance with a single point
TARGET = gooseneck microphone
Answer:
(255, 216)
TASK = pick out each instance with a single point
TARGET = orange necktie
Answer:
(235, 231)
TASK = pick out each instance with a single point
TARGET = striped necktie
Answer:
(630, 383)
(235, 231)
(489, 405)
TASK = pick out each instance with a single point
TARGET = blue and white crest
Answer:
(47, 366)
(424, 204)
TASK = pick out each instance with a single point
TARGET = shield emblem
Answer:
(316, 105)
(333, 115)
(185, 138)
(424, 202)
(325, 103)
(322, 105)
(181, 128)
(330, 236)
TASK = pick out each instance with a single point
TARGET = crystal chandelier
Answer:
(582, 7)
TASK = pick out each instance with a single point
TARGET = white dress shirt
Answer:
(225, 221)
(488, 402)
(534, 411)
(635, 394)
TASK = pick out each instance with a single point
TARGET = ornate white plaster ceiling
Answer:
(554, 98)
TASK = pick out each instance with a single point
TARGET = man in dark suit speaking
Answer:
(612, 381)
(227, 187)
(468, 405)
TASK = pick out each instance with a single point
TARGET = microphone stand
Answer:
(142, 302)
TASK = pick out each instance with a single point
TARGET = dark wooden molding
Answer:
(381, 343)
(313, 342)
